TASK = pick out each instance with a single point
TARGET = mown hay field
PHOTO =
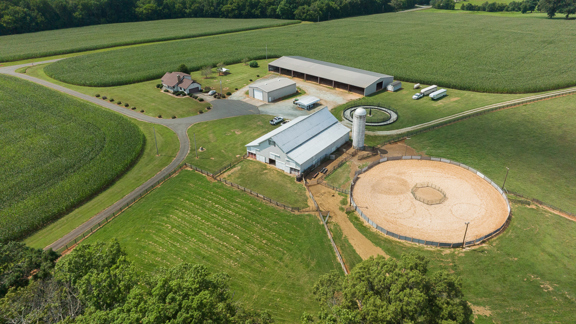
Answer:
(273, 257)
(56, 152)
(71, 40)
(535, 141)
(467, 52)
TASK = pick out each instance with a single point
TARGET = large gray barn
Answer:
(272, 89)
(301, 143)
(330, 74)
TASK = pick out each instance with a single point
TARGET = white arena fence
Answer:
(417, 240)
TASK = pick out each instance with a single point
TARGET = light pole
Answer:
(155, 141)
(464, 240)
(195, 149)
(506, 177)
(406, 146)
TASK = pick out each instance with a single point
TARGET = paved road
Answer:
(470, 112)
(221, 109)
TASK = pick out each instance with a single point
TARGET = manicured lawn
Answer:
(413, 112)
(524, 58)
(525, 275)
(340, 177)
(143, 95)
(273, 257)
(224, 139)
(147, 166)
(535, 141)
(240, 76)
(56, 152)
(270, 182)
(17, 47)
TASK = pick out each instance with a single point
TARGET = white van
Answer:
(438, 94)
(429, 90)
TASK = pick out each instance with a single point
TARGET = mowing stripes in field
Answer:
(71, 40)
(273, 257)
(55, 153)
(481, 53)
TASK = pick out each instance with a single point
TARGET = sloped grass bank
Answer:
(274, 257)
(56, 152)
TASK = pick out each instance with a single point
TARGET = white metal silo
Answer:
(358, 128)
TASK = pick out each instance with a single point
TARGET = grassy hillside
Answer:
(224, 140)
(55, 152)
(274, 257)
(18, 47)
(468, 52)
(147, 166)
(536, 142)
(522, 276)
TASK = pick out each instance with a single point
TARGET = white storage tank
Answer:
(358, 128)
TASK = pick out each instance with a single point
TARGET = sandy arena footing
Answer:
(384, 194)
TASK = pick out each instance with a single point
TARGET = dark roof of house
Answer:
(171, 79)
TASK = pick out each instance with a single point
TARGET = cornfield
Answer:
(71, 40)
(468, 52)
(56, 152)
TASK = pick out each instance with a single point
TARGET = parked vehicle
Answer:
(438, 94)
(212, 92)
(417, 96)
(429, 90)
(417, 86)
(276, 120)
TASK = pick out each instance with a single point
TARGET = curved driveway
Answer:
(221, 109)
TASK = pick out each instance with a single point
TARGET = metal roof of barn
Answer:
(306, 136)
(329, 71)
(395, 83)
(273, 84)
(307, 100)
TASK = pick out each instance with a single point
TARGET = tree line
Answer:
(550, 7)
(97, 283)
(22, 16)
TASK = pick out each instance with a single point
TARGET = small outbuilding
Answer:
(300, 144)
(394, 86)
(272, 89)
(306, 102)
(178, 81)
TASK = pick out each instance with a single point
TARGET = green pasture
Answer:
(525, 58)
(56, 153)
(224, 140)
(340, 178)
(273, 257)
(535, 141)
(70, 40)
(270, 182)
(147, 166)
(413, 112)
(525, 275)
(142, 95)
(347, 251)
(240, 76)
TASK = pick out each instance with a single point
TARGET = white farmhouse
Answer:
(178, 81)
(300, 144)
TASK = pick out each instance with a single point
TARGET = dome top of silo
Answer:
(360, 112)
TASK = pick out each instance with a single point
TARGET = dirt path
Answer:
(329, 200)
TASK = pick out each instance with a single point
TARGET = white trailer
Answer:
(438, 94)
(429, 90)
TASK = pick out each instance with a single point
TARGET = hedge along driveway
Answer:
(481, 53)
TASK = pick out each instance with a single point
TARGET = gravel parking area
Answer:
(329, 98)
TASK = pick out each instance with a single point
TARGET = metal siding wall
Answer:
(279, 93)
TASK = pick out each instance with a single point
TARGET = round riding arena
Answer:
(424, 200)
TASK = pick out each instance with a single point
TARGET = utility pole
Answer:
(221, 86)
(506, 177)
(318, 18)
(266, 52)
(406, 146)
(195, 149)
(464, 240)
(155, 141)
